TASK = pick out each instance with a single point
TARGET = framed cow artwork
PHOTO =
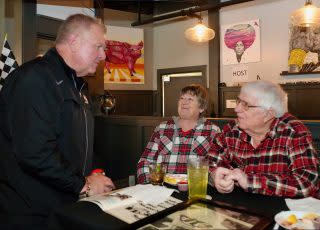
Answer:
(124, 63)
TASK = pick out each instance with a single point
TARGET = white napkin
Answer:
(308, 204)
(149, 193)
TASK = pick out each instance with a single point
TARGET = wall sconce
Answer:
(306, 16)
(200, 32)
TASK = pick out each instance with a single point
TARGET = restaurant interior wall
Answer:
(166, 46)
(173, 50)
(161, 51)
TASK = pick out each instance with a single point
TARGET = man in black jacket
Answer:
(46, 128)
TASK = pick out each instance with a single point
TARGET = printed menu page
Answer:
(136, 202)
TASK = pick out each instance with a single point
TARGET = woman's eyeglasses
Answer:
(245, 104)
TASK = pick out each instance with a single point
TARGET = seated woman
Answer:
(173, 141)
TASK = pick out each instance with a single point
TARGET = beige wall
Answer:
(2, 13)
(165, 47)
(172, 49)
(274, 18)
(10, 24)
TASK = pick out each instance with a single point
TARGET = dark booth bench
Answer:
(120, 141)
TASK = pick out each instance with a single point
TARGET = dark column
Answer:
(96, 83)
(214, 63)
(29, 30)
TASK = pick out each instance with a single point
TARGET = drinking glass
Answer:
(157, 172)
(198, 168)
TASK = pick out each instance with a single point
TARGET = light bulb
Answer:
(199, 33)
(306, 16)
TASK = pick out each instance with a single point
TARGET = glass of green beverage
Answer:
(198, 168)
(157, 172)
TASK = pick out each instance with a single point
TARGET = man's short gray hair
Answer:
(77, 23)
(269, 96)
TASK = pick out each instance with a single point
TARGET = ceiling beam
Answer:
(188, 11)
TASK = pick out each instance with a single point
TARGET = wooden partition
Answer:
(120, 141)
(302, 99)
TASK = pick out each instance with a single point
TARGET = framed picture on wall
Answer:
(124, 63)
(240, 42)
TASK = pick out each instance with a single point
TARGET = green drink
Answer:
(197, 179)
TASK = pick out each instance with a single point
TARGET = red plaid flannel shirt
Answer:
(284, 164)
(169, 146)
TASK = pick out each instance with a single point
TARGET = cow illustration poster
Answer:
(124, 62)
(240, 42)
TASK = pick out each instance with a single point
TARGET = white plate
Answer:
(174, 179)
(301, 224)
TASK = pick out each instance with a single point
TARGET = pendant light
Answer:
(306, 16)
(200, 32)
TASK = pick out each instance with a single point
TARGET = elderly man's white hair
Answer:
(269, 96)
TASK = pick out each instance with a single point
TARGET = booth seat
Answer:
(120, 141)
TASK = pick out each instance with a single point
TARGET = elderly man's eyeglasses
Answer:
(245, 104)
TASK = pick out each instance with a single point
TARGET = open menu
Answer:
(136, 202)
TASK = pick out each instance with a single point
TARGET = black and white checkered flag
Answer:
(7, 61)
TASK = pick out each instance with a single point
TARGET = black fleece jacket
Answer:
(46, 137)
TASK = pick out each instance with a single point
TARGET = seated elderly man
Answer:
(266, 150)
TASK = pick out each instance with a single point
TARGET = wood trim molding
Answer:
(74, 3)
(160, 72)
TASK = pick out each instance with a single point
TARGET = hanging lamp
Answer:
(200, 32)
(306, 16)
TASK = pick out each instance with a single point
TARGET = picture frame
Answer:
(204, 214)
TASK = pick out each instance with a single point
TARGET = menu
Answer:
(136, 202)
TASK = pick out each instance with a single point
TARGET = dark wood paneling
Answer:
(227, 93)
(302, 100)
(134, 102)
(120, 141)
(214, 62)
(306, 101)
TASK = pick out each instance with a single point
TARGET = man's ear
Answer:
(74, 42)
(270, 114)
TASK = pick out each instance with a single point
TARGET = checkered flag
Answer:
(7, 61)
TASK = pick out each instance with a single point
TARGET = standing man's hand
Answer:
(96, 184)
(223, 181)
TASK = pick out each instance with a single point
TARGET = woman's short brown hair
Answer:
(199, 91)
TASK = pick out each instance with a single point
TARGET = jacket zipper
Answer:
(86, 128)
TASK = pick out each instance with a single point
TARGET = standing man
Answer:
(46, 128)
(266, 150)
